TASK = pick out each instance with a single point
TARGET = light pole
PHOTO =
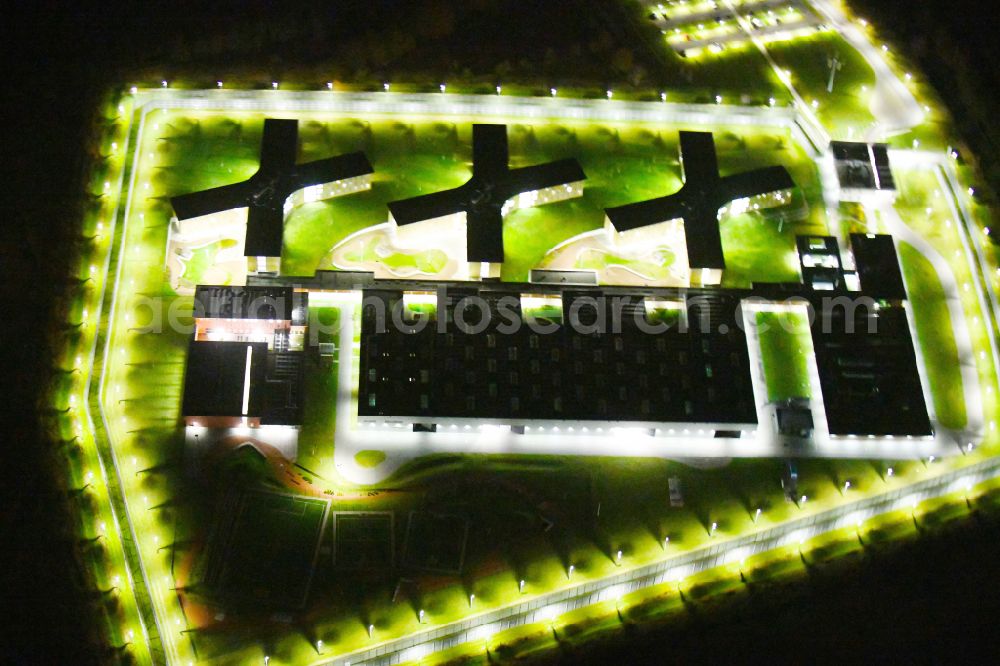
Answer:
(834, 64)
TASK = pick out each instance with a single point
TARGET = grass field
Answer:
(270, 550)
(807, 58)
(435, 542)
(936, 336)
(785, 346)
(363, 540)
(319, 417)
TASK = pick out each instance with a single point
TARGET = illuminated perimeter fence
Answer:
(546, 608)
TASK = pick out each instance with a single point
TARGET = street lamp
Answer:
(618, 558)
(420, 616)
(520, 586)
(569, 572)
(472, 597)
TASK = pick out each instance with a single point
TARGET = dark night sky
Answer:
(57, 55)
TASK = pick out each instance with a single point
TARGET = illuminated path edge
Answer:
(541, 108)
(547, 607)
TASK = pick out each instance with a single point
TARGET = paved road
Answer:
(503, 106)
(547, 607)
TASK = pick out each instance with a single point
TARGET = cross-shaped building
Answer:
(278, 186)
(493, 190)
(698, 203)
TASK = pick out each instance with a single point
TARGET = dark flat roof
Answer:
(482, 197)
(698, 202)
(869, 379)
(878, 266)
(265, 192)
(213, 385)
(863, 165)
(700, 374)
(250, 302)
(216, 373)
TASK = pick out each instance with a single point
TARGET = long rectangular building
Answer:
(537, 359)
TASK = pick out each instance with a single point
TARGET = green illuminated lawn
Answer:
(202, 259)
(936, 336)
(369, 458)
(785, 345)
(319, 419)
(808, 60)
(738, 72)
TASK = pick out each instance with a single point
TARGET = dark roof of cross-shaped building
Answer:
(265, 192)
(482, 197)
(699, 200)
